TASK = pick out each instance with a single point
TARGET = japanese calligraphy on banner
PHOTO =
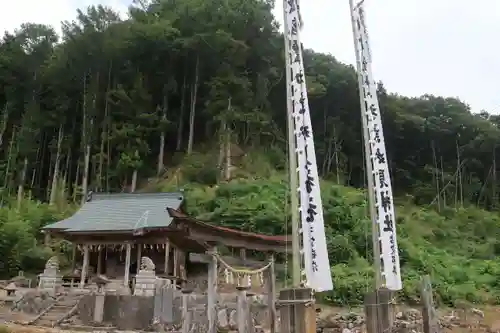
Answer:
(384, 204)
(316, 263)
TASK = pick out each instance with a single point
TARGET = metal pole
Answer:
(292, 163)
(369, 171)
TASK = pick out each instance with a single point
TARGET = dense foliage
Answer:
(21, 243)
(113, 102)
(457, 247)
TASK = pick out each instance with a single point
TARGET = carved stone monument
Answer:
(50, 278)
(145, 280)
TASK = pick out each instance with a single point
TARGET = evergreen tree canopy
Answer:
(113, 102)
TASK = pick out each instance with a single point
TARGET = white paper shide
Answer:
(316, 263)
(384, 204)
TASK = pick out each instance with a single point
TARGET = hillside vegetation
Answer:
(114, 103)
(457, 247)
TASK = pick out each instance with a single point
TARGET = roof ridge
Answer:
(139, 195)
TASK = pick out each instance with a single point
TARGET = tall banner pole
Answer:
(316, 262)
(293, 171)
(385, 246)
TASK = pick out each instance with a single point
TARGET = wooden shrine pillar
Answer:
(73, 258)
(126, 275)
(212, 292)
(243, 254)
(85, 265)
(46, 238)
(270, 284)
(139, 256)
(378, 311)
(99, 260)
(297, 311)
(175, 272)
(181, 261)
(167, 257)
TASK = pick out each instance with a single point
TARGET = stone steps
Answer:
(57, 311)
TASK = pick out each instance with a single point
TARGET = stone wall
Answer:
(129, 312)
(227, 315)
(125, 312)
(136, 312)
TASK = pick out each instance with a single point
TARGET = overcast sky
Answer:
(442, 47)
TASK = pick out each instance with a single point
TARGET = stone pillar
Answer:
(126, 275)
(99, 308)
(186, 314)
(145, 280)
(50, 279)
(85, 266)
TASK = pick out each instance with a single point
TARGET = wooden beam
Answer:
(178, 239)
(239, 242)
(142, 241)
(233, 261)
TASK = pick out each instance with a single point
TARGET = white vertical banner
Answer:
(316, 263)
(384, 203)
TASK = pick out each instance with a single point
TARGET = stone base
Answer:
(49, 280)
(145, 283)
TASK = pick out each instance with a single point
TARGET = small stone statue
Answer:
(52, 263)
(147, 264)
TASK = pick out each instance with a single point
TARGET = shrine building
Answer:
(112, 232)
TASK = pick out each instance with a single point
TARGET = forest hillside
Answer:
(117, 104)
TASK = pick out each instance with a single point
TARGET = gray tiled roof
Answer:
(121, 212)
